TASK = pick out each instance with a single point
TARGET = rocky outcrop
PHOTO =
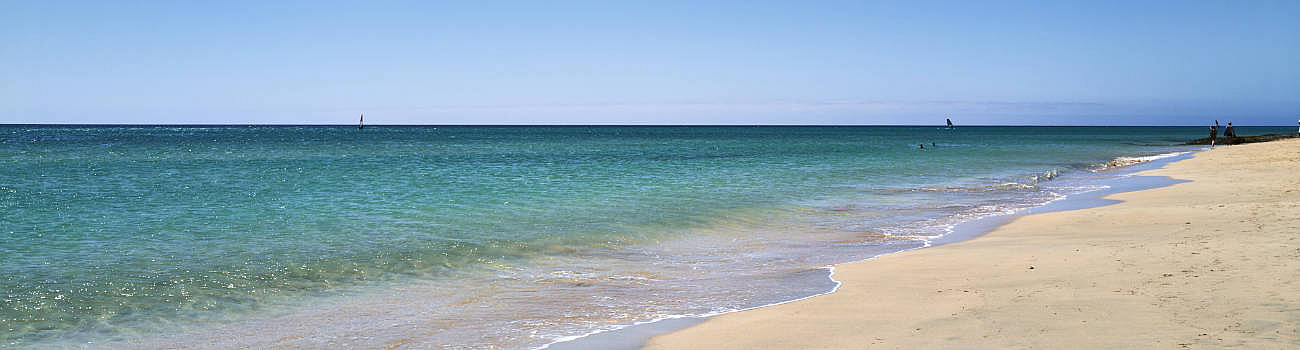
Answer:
(1242, 139)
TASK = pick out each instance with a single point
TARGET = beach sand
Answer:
(1210, 263)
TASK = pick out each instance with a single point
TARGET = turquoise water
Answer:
(127, 234)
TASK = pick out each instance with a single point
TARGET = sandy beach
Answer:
(1209, 263)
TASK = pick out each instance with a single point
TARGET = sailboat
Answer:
(362, 124)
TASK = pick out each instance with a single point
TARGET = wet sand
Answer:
(1210, 263)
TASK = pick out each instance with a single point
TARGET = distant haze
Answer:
(656, 62)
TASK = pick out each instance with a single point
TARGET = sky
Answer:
(652, 62)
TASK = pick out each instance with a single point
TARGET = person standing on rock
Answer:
(1214, 132)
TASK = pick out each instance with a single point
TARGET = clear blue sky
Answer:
(653, 62)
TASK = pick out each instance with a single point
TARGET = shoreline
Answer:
(1128, 179)
(743, 255)
(1007, 303)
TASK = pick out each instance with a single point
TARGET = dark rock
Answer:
(1242, 139)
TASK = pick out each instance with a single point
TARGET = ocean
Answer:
(484, 237)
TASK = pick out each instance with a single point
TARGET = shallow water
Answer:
(481, 237)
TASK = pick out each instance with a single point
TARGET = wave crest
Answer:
(1121, 162)
(1010, 186)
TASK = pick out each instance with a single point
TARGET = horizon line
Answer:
(591, 125)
